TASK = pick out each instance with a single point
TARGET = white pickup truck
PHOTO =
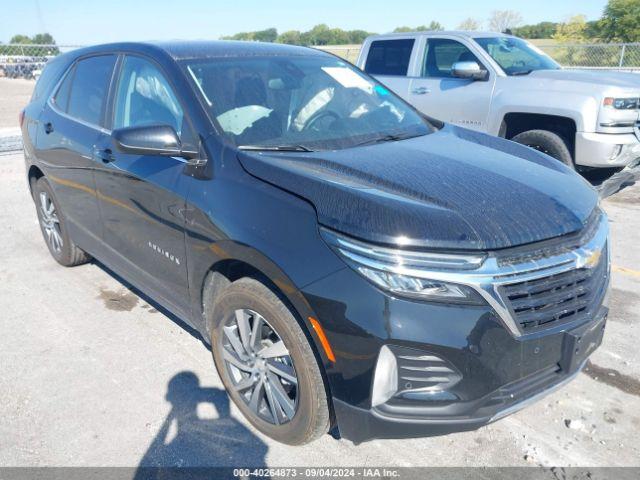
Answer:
(503, 85)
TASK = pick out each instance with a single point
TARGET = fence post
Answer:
(624, 47)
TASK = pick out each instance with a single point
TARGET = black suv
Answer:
(353, 264)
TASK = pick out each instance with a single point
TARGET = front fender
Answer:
(581, 108)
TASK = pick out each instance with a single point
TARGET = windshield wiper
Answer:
(386, 138)
(521, 72)
(276, 148)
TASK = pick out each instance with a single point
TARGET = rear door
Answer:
(437, 93)
(390, 60)
(143, 197)
(69, 126)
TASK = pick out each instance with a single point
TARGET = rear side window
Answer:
(83, 92)
(49, 77)
(389, 57)
(62, 95)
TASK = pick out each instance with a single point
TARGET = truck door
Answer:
(437, 93)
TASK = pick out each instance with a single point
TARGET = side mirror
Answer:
(149, 140)
(469, 70)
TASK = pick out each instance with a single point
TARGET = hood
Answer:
(598, 78)
(452, 189)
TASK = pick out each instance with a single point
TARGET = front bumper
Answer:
(360, 424)
(605, 150)
(407, 367)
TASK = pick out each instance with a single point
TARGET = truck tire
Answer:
(547, 142)
(54, 227)
(267, 364)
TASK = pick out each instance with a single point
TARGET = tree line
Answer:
(620, 22)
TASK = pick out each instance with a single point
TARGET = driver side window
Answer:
(145, 97)
(441, 54)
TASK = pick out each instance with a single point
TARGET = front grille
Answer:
(553, 247)
(557, 299)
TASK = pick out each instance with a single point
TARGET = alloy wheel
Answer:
(260, 367)
(50, 222)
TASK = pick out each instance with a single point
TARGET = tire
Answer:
(547, 142)
(304, 415)
(54, 227)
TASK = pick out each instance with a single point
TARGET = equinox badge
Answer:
(164, 253)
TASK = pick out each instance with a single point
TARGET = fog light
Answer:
(617, 150)
(411, 374)
(385, 381)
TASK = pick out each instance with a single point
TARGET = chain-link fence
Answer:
(617, 56)
(27, 60)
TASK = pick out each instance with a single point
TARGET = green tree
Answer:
(319, 35)
(538, 30)
(43, 39)
(291, 37)
(621, 21)
(573, 30)
(20, 39)
(358, 36)
(593, 30)
(268, 35)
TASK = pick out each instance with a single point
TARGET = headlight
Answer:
(621, 103)
(407, 273)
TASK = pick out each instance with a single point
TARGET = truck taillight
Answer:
(21, 117)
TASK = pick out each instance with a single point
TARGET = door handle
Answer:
(420, 90)
(104, 154)
(48, 128)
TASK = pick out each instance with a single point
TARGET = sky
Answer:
(83, 22)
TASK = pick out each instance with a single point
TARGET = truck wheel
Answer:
(267, 365)
(546, 142)
(54, 227)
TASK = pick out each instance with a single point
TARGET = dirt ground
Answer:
(14, 95)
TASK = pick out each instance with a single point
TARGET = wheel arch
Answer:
(34, 174)
(514, 123)
(239, 261)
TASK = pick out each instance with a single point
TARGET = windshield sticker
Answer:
(239, 119)
(348, 78)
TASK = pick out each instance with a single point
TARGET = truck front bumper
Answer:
(606, 150)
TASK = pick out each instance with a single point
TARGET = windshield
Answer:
(301, 102)
(515, 56)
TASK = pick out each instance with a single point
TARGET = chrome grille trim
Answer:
(489, 276)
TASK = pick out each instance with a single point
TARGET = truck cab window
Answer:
(441, 54)
(389, 57)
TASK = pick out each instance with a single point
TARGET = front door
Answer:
(142, 197)
(437, 93)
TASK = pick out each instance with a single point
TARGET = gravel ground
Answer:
(92, 374)
(14, 95)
